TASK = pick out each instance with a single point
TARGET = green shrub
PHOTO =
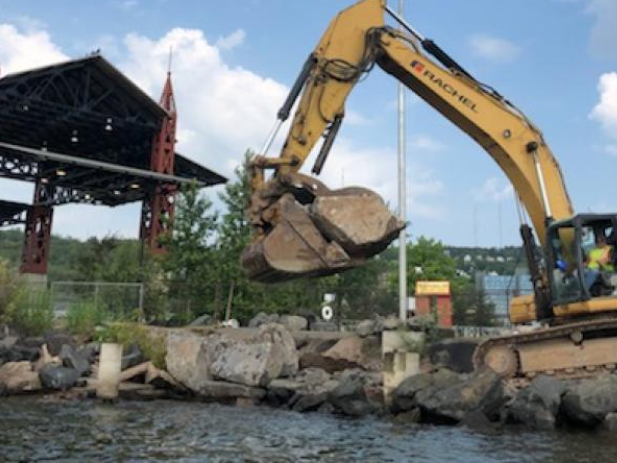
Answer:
(83, 318)
(11, 290)
(32, 314)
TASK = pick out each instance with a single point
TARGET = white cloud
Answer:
(232, 40)
(605, 111)
(494, 190)
(20, 50)
(494, 48)
(222, 110)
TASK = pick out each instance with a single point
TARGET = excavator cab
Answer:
(581, 252)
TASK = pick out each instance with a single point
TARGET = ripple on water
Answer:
(32, 429)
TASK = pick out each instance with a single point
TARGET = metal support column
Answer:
(37, 236)
(402, 197)
(158, 211)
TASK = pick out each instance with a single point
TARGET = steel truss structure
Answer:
(82, 132)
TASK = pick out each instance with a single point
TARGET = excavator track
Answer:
(575, 350)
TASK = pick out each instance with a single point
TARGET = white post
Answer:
(110, 363)
(402, 196)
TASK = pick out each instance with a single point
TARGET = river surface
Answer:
(35, 429)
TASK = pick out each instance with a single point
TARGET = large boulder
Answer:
(17, 377)
(307, 391)
(256, 361)
(421, 387)
(294, 322)
(77, 360)
(483, 390)
(285, 345)
(188, 360)
(359, 393)
(263, 318)
(454, 354)
(253, 364)
(369, 327)
(315, 360)
(58, 378)
(538, 405)
(589, 401)
(363, 353)
(55, 340)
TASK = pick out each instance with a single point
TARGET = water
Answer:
(35, 429)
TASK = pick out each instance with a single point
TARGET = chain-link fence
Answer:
(118, 299)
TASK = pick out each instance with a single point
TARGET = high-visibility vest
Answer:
(600, 259)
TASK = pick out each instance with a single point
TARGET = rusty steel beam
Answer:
(158, 210)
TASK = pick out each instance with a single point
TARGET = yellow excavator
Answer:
(302, 228)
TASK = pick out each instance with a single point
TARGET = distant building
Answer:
(500, 289)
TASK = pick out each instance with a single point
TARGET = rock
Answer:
(483, 390)
(477, 421)
(306, 392)
(589, 401)
(363, 352)
(351, 396)
(285, 347)
(294, 322)
(322, 325)
(610, 422)
(413, 416)
(248, 364)
(454, 354)
(91, 351)
(421, 387)
(204, 320)
(55, 340)
(365, 328)
(71, 358)
(391, 323)
(45, 358)
(188, 360)
(221, 390)
(18, 353)
(263, 318)
(8, 342)
(403, 396)
(132, 356)
(58, 378)
(315, 360)
(32, 342)
(17, 377)
(270, 354)
(538, 405)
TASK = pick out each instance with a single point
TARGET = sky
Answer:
(233, 63)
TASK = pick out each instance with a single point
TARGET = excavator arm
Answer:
(304, 229)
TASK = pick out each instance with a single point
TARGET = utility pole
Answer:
(402, 196)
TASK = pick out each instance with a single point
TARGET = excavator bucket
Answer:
(336, 232)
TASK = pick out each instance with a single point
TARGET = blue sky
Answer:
(233, 63)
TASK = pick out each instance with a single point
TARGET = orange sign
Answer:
(432, 288)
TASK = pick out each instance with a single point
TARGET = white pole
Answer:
(402, 196)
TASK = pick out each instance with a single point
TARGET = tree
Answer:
(192, 250)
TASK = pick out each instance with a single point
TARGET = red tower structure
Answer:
(158, 209)
(37, 236)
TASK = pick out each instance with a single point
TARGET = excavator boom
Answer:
(304, 229)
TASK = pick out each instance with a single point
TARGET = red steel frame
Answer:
(158, 211)
(37, 236)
